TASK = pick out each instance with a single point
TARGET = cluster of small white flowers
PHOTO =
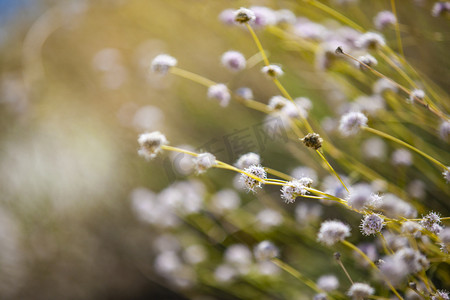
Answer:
(384, 19)
(351, 123)
(265, 250)
(366, 60)
(150, 144)
(204, 161)
(416, 94)
(328, 283)
(220, 93)
(405, 261)
(295, 188)
(233, 61)
(333, 231)
(359, 291)
(250, 183)
(371, 224)
(162, 63)
(432, 222)
(370, 40)
(244, 15)
(272, 71)
(248, 159)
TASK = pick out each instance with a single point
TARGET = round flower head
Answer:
(220, 93)
(430, 221)
(440, 8)
(360, 196)
(233, 61)
(248, 159)
(245, 93)
(351, 123)
(227, 17)
(382, 85)
(244, 15)
(268, 218)
(272, 71)
(333, 231)
(285, 16)
(416, 94)
(360, 291)
(265, 251)
(250, 183)
(440, 294)
(204, 161)
(368, 60)
(444, 235)
(446, 174)
(370, 40)
(444, 130)
(162, 63)
(384, 19)
(277, 102)
(328, 283)
(264, 16)
(150, 144)
(402, 157)
(410, 227)
(371, 224)
(295, 188)
(312, 140)
(321, 296)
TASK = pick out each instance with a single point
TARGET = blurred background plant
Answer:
(82, 216)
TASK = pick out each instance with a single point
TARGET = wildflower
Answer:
(360, 291)
(167, 262)
(416, 94)
(371, 224)
(244, 15)
(224, 273)
(394, 269)
(384, 19)
(328, 283)
(277, 102)
(204, 161)
(368, 104)
(247, 160)
(312, 140)
(310, 30)
(446, 174)
(370, 40)
(351, 123)
(440, 8)
(250, 183)
(225, 200)
(374, 148)
(321, 296)
(410, 227)
(402, 157)
(233, 61)
(304, 103)
(432, 222)
(440, 294)
(382, 85)
(285, 16)
(162, 63)
(227, 17)
(360, 196)
(368, 60)
(245, 93)
(333, 231)
(220, 93)
(265, 251)
(264, 16)
(238, 254)
(150, 144)
(272, 71)
(295, 188)
(294, 111)
(394, 207)
(414, 260)
(268, 218)
(444, 130)
(444, 236)
(417, 189)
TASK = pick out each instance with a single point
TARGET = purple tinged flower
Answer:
(220, 93)
(351, 123)
(162, 63)
(233, 61)
(384, 19)
(264, 16)
(295, 188)
(371, 224)
(328, 283)
(440, 8)
(370, 40)
(333, 231)
(265, 251)
(359, 291)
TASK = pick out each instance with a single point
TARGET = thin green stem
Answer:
(258, 44)
(192, 76)
(297, 275)
(397, 29)
(398, 141)
(332, 170)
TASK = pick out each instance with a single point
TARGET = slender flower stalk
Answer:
(397, 28)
